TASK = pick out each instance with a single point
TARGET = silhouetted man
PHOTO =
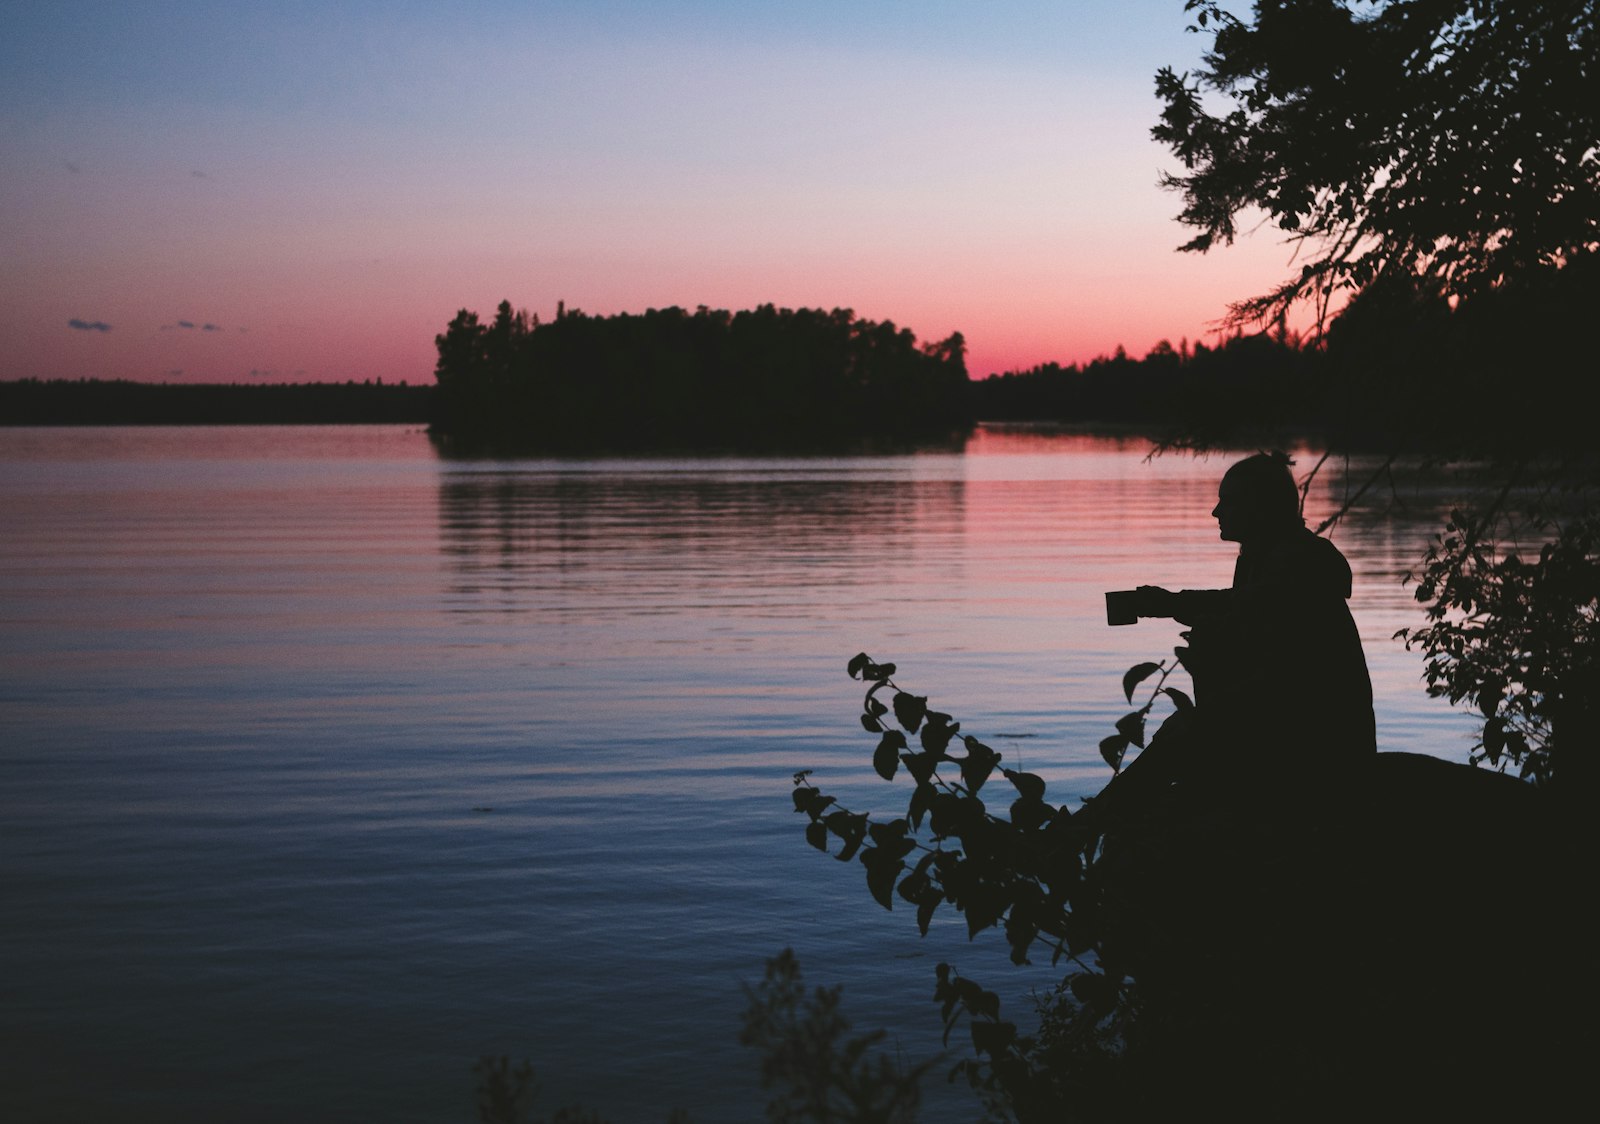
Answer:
(1282, 693)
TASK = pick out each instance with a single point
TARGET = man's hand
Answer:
(1155, 601)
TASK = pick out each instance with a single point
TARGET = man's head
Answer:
(1257, 497)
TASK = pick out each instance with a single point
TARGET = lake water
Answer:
(328, 765)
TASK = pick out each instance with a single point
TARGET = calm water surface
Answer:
(329, 765)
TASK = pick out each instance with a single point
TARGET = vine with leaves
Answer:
(1035, 873)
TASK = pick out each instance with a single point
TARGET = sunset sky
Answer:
(292, 191)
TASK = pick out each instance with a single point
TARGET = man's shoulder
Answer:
(1326, 559)
(1306, 558)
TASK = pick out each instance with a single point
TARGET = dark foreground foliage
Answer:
(1283, 951)
(765, 379)
(506, 1094)
(814, 1069)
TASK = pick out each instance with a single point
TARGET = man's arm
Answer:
(1187, 606)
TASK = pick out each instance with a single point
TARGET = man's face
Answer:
(1229, 513)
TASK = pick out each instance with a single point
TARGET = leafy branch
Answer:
(1131, 726)
(1514, 636)
(1032, 872)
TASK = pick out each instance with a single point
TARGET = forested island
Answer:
(761, 379)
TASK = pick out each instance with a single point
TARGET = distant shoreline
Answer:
(85, 403)
(97, 402)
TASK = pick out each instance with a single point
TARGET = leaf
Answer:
(886, 758)
(909, 710)
(992, 1037)
(1080, 931)
(883, 867)
(921, 801)
(812, 801)
(1030, 786)
(1020, 953)
(1112, 750)
(850, 827)
(984, 905)
(936, 736)
(1494, 739)
(1517, 745)
(1180, 700)
(817, 835)
(977, 765)
(951, 814)
(912, 887)
(878, 672)
(1095, 991)
(1136, 675)
(870, 724)
(1131, 726)
(818, 805)
(1020, 935)
(857, 663)
(885, 834)
(920, 765)
(1026, 814)
(925, 910)
(1489, 696)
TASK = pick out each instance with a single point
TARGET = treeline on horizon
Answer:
(1400, 365)
(125, 402)
(762, 378)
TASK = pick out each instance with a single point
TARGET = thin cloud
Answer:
(71, 167)
(88, 325)
(190, 326)
(199, 175)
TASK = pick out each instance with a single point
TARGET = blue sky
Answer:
(328, 182)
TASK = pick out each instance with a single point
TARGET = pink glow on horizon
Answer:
(1011, 199)
(376, 318)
